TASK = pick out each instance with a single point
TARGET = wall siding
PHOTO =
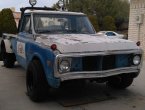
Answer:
(136, 31)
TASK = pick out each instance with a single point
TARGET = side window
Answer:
(113, 34)
(26, 25)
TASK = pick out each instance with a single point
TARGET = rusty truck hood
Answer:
(69, 43)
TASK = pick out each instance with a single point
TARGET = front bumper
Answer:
(97, 74)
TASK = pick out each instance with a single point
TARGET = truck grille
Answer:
(99, 63)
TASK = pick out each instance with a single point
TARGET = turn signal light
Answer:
(53, 47)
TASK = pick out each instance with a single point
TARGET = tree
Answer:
(118, 9)
(109, 23)
(7, 22)
(57, 5)
(94, 22)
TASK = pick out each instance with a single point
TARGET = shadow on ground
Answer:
(90, 93)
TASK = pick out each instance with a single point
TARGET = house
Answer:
(136, 30)
(17, 16)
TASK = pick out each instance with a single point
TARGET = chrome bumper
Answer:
(96, 74)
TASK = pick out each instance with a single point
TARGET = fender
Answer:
(8, 45)
(43, 58)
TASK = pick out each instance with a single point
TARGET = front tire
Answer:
(120, 82)
(36, 82)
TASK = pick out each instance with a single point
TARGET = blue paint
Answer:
(122, 60)
(44, 55)
(33, 49)
(76, 64)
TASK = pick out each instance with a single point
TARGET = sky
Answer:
(23, 3)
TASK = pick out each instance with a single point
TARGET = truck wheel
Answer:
(36, 82)
(120, 82)
(8, 58)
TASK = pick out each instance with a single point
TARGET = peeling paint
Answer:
(68, 43)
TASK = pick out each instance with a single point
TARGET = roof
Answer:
(55, 12)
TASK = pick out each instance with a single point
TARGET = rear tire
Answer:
(120, 82)
(36, 82)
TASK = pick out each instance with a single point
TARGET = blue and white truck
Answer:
(59, 46)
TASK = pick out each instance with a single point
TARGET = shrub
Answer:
(7, 22)
(108, 23)
(94, 22)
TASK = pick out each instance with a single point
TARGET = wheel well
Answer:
(2, 46)
(35, 58)
(6, 46)
(38, 59)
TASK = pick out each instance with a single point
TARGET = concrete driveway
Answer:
(13, 94)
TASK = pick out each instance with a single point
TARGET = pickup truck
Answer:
(56, 47)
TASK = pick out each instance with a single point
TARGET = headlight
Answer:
(136, 60)
(64, 66)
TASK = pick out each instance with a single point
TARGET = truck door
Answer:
(24, 37)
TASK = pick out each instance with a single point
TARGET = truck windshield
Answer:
(62, 24)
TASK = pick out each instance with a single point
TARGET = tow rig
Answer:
(59, 46)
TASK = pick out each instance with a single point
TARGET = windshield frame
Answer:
(63, 15)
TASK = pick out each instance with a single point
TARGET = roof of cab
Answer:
(55, 12)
